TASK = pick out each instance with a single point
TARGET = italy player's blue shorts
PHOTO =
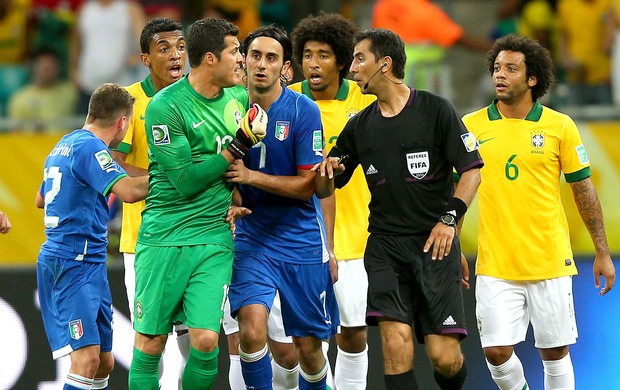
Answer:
(307, 296)
(76, 304)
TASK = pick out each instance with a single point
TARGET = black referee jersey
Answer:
(408, 161)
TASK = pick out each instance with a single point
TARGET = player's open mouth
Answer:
(315, 78)
(175, 71)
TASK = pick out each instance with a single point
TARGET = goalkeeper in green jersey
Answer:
(195, 129)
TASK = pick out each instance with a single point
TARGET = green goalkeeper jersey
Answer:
(188, 198)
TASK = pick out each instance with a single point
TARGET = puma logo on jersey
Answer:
(371, 170)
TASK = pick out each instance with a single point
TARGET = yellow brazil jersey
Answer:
(134, 145)
(523, 232)
(351, 229)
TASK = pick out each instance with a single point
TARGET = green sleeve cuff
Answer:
(577, 176)
(107, 190)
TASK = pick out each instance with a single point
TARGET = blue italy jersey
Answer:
(279, 227)
(79, 173)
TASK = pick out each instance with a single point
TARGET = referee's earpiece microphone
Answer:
(374, 74)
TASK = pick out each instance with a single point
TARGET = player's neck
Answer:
(203, 83)
(265, 98)
(328, 93)
(393, 99)
(515, 110)
(106, 135)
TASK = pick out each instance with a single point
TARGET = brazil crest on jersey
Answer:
(523, 232)
(285, 228)
(184, 128)
(79, 173)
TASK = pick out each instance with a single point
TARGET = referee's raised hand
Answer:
(326, 171)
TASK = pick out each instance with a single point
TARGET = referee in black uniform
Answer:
(408, 142)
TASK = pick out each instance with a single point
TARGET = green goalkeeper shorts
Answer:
(187, 284)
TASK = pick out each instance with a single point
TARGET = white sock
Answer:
(315, 377)
(283, 378)
(100, 383)
(330, 376)
(183, 345)
(509, 375)
(235, 376)
(351, 369)
(559, 374)
(79, 381)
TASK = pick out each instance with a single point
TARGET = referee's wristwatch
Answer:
(448, 219)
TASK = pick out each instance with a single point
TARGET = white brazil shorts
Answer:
(505, 308)
(351, 291)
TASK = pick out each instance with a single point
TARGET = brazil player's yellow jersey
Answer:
(135, 147)
(523, 232)
(350, 233)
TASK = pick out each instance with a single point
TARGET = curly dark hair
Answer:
(332, 29)
(538, 60)
(156, 26)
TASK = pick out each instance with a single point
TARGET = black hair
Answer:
(271, 31)
(386, 43)
(208, 35)
(156, 26)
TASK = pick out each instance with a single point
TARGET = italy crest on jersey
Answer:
(76, 330)
(418, 164)
(282, 129)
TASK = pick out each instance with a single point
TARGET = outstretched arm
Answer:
(591, 213)
(299, 187)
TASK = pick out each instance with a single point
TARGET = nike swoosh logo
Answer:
(195, 125)
(142, 117)
(485, 140)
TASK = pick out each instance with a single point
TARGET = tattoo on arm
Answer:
(591, 213)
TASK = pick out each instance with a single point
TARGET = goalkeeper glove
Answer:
(252, 130)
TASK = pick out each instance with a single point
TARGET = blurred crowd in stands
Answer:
(54, 53)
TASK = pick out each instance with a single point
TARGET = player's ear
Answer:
(146, 60)
(286, 71)
(532, 81)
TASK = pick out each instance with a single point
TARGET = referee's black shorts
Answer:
(406, 285)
